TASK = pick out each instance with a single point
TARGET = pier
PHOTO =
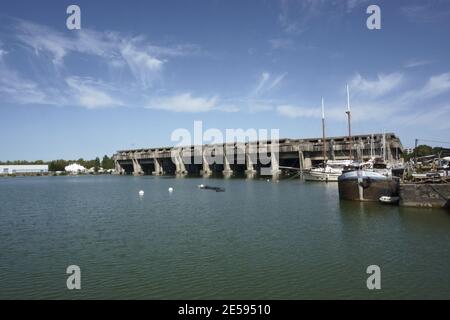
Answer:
(246, 158)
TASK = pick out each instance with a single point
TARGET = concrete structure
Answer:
(23, 169)
(426, 195)
(254, 157)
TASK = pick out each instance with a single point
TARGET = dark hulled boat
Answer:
(364, 185)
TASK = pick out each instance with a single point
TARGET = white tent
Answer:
(75, 168)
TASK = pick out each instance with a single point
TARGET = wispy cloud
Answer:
(184, 102)
(291, 111)
(3, 52)
(133, 60)
(21, 90)
(435, 86)
(143, 59)
(281, 43)
(296, 17)
(426, 11)
(90, 93)
(438, 116)
(267, 82)
(377, 102)
(417, 63)
(16, 88)
(383, 84)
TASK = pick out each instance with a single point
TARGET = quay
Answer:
(246, 157)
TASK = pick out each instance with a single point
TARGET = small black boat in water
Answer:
(216, 189)
(363, 185)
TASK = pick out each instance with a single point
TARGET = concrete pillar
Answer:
(205, 164)
(359, 150)
(274, 159)
(137, 169)
(226, 163)
(118, 168)
(307, 164)
(274, 163)
(177, 158)
(389, 152)
(249, 153)
(331, 144)
(158, 167)
(301, 161)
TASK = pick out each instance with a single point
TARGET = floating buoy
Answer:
(201, 186)
(268, 180)
(170, 189)
(141, 193)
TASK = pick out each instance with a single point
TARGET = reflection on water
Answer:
(259, 239)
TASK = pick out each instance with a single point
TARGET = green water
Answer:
(257, 240)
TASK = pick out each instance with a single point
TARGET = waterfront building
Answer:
(23, 169)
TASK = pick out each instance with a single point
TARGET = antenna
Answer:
(348, 99)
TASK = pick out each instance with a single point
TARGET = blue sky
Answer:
(138, 70)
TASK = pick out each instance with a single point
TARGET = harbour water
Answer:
(258, 240)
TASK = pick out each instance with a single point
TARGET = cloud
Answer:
(2, 51)
(143, 59)
(259, 106)
(291, 111)
(228, 108)
(438, 116)
(184, 103)
(281, 43)
(143, 66)
(43, 39)
(435, 86)
(276, 81)
(352, 4)
(134, 64)
(296, 17)
(380, 86)
(267, 82)
(19, 89)
(262, 82)
(417, 63)
(90, 94)
(426, 11)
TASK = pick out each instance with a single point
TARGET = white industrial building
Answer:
(23, 169)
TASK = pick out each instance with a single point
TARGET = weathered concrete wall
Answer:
(304, 153)
(427, 195)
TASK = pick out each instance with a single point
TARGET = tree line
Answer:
(422, 151)
(59, 165)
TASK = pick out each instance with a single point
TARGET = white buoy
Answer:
(141, 193)
(170, 189)
(268, 180)
(201, 186)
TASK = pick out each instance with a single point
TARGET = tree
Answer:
(423, 150)
(107, 162)
(57, 165)
(96, 164)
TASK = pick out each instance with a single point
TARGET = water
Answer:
(257, 240)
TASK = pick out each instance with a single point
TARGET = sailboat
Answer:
(330, 169)
(366, 181)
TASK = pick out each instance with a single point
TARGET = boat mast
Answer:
(348, 112)
(324, 147)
